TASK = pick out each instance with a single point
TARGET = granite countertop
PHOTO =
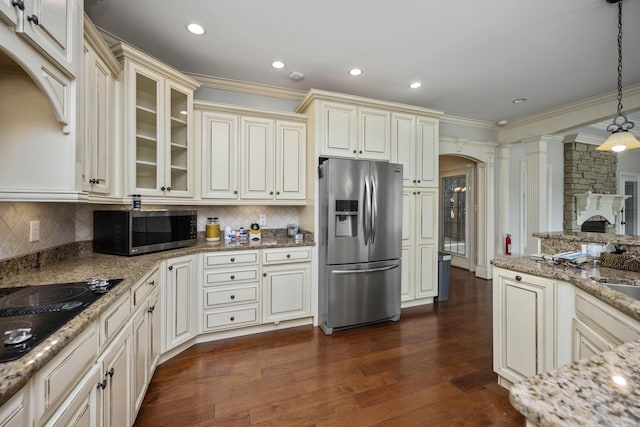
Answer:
(602, 390)
(15, 374)
(581, 237)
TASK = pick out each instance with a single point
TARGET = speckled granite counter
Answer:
(583, 392)
(563, 241)
(601, 391)
(15, 374)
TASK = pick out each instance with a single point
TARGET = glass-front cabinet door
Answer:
(179, 153)
(148, 153)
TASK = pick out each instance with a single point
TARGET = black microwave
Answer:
(141, 232)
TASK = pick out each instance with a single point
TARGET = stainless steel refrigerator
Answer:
(360, 242)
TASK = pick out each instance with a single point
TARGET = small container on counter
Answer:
(299, 238)
(212, 230)
(136, 202)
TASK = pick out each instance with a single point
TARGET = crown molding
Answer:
(94, 39)
(569, 116)
(213, 107)
(476, 124)
(582, 138)
(247, 87)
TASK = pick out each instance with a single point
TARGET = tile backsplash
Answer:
(62, 223)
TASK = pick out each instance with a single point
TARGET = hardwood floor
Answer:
(432, 368)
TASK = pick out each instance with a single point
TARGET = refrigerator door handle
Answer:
(368, 270)
(366, 213)
(374, 209)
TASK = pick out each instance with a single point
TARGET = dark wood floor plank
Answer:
(432, 368)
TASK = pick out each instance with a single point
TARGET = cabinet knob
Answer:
(170, 267)
(151, 309)
(418, 192)
(232, 318)
(109, 372)
(413, 193)
(233, 277)
(34, 19)
(235, 192)
(264, 274)
(102, 384)
(152, 283)
(360, 151)
(414, 181)
(163, 188)
(19, 4)
(277, 193)
(288, 255)
(232, 297)
(233, 259)
(418, 181)
(518, 278)
(354, 151)
(271, 193)
(168, 188)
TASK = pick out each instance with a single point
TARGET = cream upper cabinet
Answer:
(99, 74)
(251, 157)
(219, 133)
(374, 137)
(415, 146)
(257, 152)
(158, 117)
(338, 127)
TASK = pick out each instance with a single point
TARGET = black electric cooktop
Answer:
(30, 314)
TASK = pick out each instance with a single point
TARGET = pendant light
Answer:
(620, 138)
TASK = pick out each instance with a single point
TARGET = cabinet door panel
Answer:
(290, 161)
(338, 129)
(374, 137)
(116, 397)
(428, 152)
(180, 302)
(427, 215)
(257, 154)
(8, 13)
(81, 409)
(286, 292)
(521, 305)
(220, 165)
(586, 342)
(403, 143)
(406, 292)
(53, 34)
(140, 349)
(408, 213)
(427, 272)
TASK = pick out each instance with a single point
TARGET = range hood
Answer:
(605, 205)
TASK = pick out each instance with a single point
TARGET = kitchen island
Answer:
(599, 390)
(14, 375)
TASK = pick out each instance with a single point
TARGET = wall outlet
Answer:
(34, 231)
(263, 220)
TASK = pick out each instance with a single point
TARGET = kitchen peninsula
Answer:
(565, 343)
(242, 293)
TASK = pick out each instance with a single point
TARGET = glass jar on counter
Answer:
(212, 230)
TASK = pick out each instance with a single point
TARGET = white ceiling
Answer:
(473, 57)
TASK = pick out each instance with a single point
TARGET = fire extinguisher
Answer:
(507, 245)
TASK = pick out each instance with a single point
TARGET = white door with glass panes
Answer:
(178, 148)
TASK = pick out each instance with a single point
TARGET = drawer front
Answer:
(231, 276)
(143, 288)
(216, 297)
(113, 320)
(229, 259)
(279, 256)
(231, 318)
(56, 379)
(608, 320)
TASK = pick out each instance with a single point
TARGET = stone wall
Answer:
(586, 169)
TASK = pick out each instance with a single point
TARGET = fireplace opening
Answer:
(594, 226)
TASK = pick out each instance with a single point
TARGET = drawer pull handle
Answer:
(518, 278)
(232, 318)
(151, 309)
(102, 384)
(232, 297)
(288, 255)
(233, 260)
(110, 372)
(233, 277)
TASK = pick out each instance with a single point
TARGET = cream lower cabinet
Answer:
(82, 408)
(598, 327)
(231, 290)
(114, 385)
(419, 244)
(523, 325)
(15, 412)
(179, 301)
(145, 348)
(286, 284)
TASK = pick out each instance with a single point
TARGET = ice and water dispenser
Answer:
(346, 218)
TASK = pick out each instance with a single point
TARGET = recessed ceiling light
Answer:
(355, 72)
(502, 122)
(415, 85)
(195, 29)
(277, 64)
(519, 100)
